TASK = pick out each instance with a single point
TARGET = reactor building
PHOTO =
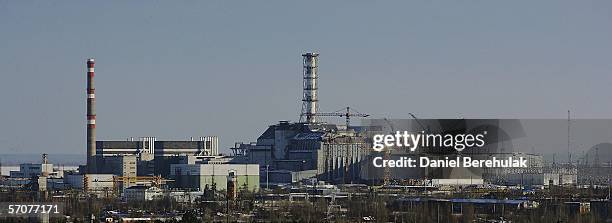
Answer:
(288, 152)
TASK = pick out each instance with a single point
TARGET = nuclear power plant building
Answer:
(309, 148)
(319, 150)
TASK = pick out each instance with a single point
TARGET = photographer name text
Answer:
(423, 162)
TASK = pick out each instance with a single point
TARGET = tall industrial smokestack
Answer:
(91, 118)
(310, 100)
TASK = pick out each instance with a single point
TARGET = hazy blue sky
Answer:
(229, 68)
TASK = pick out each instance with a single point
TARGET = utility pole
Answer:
(267, 177)
(609, 186)
(569, 153)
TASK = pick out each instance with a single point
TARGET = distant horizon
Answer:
(56, 159)
(81, 158)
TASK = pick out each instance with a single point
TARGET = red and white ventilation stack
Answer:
(91, 118)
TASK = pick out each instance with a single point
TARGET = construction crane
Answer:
(347, 113)
(424, 129)
(387, 156)
(418, 122)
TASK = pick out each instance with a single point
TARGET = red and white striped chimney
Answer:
(91, 118)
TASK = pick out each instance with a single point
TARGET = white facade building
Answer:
(199, 176)
(90, 182)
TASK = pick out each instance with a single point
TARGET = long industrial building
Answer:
(205, 146)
